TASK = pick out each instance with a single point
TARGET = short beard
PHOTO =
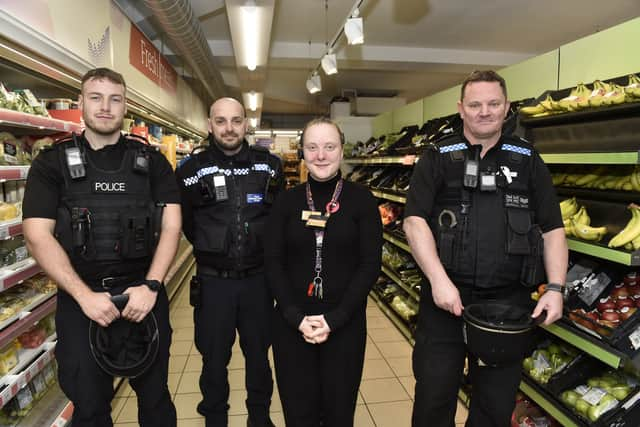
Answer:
(103, 132)
(227, 146)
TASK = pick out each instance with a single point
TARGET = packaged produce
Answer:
(22, 403)
(9, 357)
(33, 338)
(49, 372)
(12, 250)
(548, 360)
(38, 386)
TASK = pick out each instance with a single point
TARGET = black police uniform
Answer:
(225, 202)
(107, 222)
(490, 244)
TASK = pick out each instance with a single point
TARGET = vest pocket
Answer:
(136, 237)
(211, 238)
(518, 226)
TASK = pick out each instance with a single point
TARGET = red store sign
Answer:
(144, 56)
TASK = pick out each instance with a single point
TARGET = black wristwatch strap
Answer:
(556, 287)
(154, 285)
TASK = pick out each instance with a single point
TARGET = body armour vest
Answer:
(107, 220)
(231, 197)
(487, 236)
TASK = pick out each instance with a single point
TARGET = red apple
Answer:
(624, 302)
(610, 316)
(619, 290)
(593, 315)
(626, 312)
(605, 304)
(631, 279)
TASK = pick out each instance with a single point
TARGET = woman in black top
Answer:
(320, 270)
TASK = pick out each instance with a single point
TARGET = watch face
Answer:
(154, 285)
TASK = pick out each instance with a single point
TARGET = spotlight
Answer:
(354, 28)
(314, 84)
(253, 122)
(329, 63)
(253, 101)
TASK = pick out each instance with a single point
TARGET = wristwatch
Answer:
(154, 285)
(554, 287)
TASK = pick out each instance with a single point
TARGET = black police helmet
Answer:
(124, 348)
(499, 333)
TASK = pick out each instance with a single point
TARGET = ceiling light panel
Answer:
(250, 25)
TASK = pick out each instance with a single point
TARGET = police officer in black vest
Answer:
(227, 191)
(102, 217)
(480, 208)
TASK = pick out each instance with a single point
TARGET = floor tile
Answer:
(189, 383)
(379, 322)
(186, 405)
(128, 425)
(236, 402)
(180, 348)
(129, 412)
(176, 364)
(362, 417)
(194, 363)
(124, 390)
(173, 381)
(191, 422)
(409, 384)
(236, 379)
(116, 406)
(391, 414)
(395, 349)
(182, 334)
(401, 366)
(382, 390)
(371, 351)
(182, 322)
(376, 368)
(461, 413)
(390, 334)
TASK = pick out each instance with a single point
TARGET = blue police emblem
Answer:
(254, 198)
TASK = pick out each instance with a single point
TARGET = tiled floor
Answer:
(386, 391)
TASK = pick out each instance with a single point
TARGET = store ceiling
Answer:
(413, 48)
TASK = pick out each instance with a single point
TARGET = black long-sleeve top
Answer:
(350, 254)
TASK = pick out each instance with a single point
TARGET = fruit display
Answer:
(390, 212)
(405, 308)
(577, 222)
(395, 259)
(599, 395)
(620, 178)
(21, 100)
(629, 237)
(601, 94)
(527, 414)
(9, 357)
(547, 360)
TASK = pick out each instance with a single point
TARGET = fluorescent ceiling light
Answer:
(283, 132)
(329, 64)
(253, 122)
(354, 28)
(262, 133)
(253, 101)
(251, 29)
(314, 84)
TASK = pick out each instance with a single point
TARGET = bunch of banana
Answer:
(544, 107)
(587, 180)
(578, 98)
(632, 89)
(630, 232)
(568, 208)
(600, 89)
(634, 178)
(585, 232)
(579, 218)
(615, 96)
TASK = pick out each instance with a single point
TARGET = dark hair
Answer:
(484, 76)
(104, 73)
(321, 121)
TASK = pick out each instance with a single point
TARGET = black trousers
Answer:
(319, 382)
(227, 305)
(438, 363)
(91, 389)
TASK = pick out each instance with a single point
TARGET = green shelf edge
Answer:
(400, 283)
(614, 255)
(399, 243)
(611, 359)
(391, 315)
(388, 196)
(548, 406)
(625, 158)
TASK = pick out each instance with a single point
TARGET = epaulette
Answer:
(136, 138)
(517, 145)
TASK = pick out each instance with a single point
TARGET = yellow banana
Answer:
(586, 232)
(629, 232)
(549, 104)
(635, 179)
(629, 246)
(589, 178)
(568, 207)
(581, 217)
(531, 110)
(568, 227)
(558, 178)
(627, 186)
(635, 244)
(599, 89)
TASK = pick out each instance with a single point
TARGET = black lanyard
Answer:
(315, 287)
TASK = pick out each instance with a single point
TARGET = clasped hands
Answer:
(315, 329)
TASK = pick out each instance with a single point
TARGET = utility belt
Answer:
(113, 282)
(229, 274)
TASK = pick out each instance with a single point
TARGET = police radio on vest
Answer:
(110, 187)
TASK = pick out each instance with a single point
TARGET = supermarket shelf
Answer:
(27, 321)
(26, 309)
(407, 160)
(396, 241)
(412, 293)
(18, 381)
(620, 256)
(16, 273)
(624, 158)
(26, 357)
(10, 228)
(402, 327)
(53, 409)
(8, 173)
(592, 346)
(389, 196)
(552, 408)
(37, 125)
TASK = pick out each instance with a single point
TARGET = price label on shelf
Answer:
(409, 159)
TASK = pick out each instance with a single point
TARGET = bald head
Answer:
(228, 124)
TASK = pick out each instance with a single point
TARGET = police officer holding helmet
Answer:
(227, 191)
(101, 216)
(483, 223)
